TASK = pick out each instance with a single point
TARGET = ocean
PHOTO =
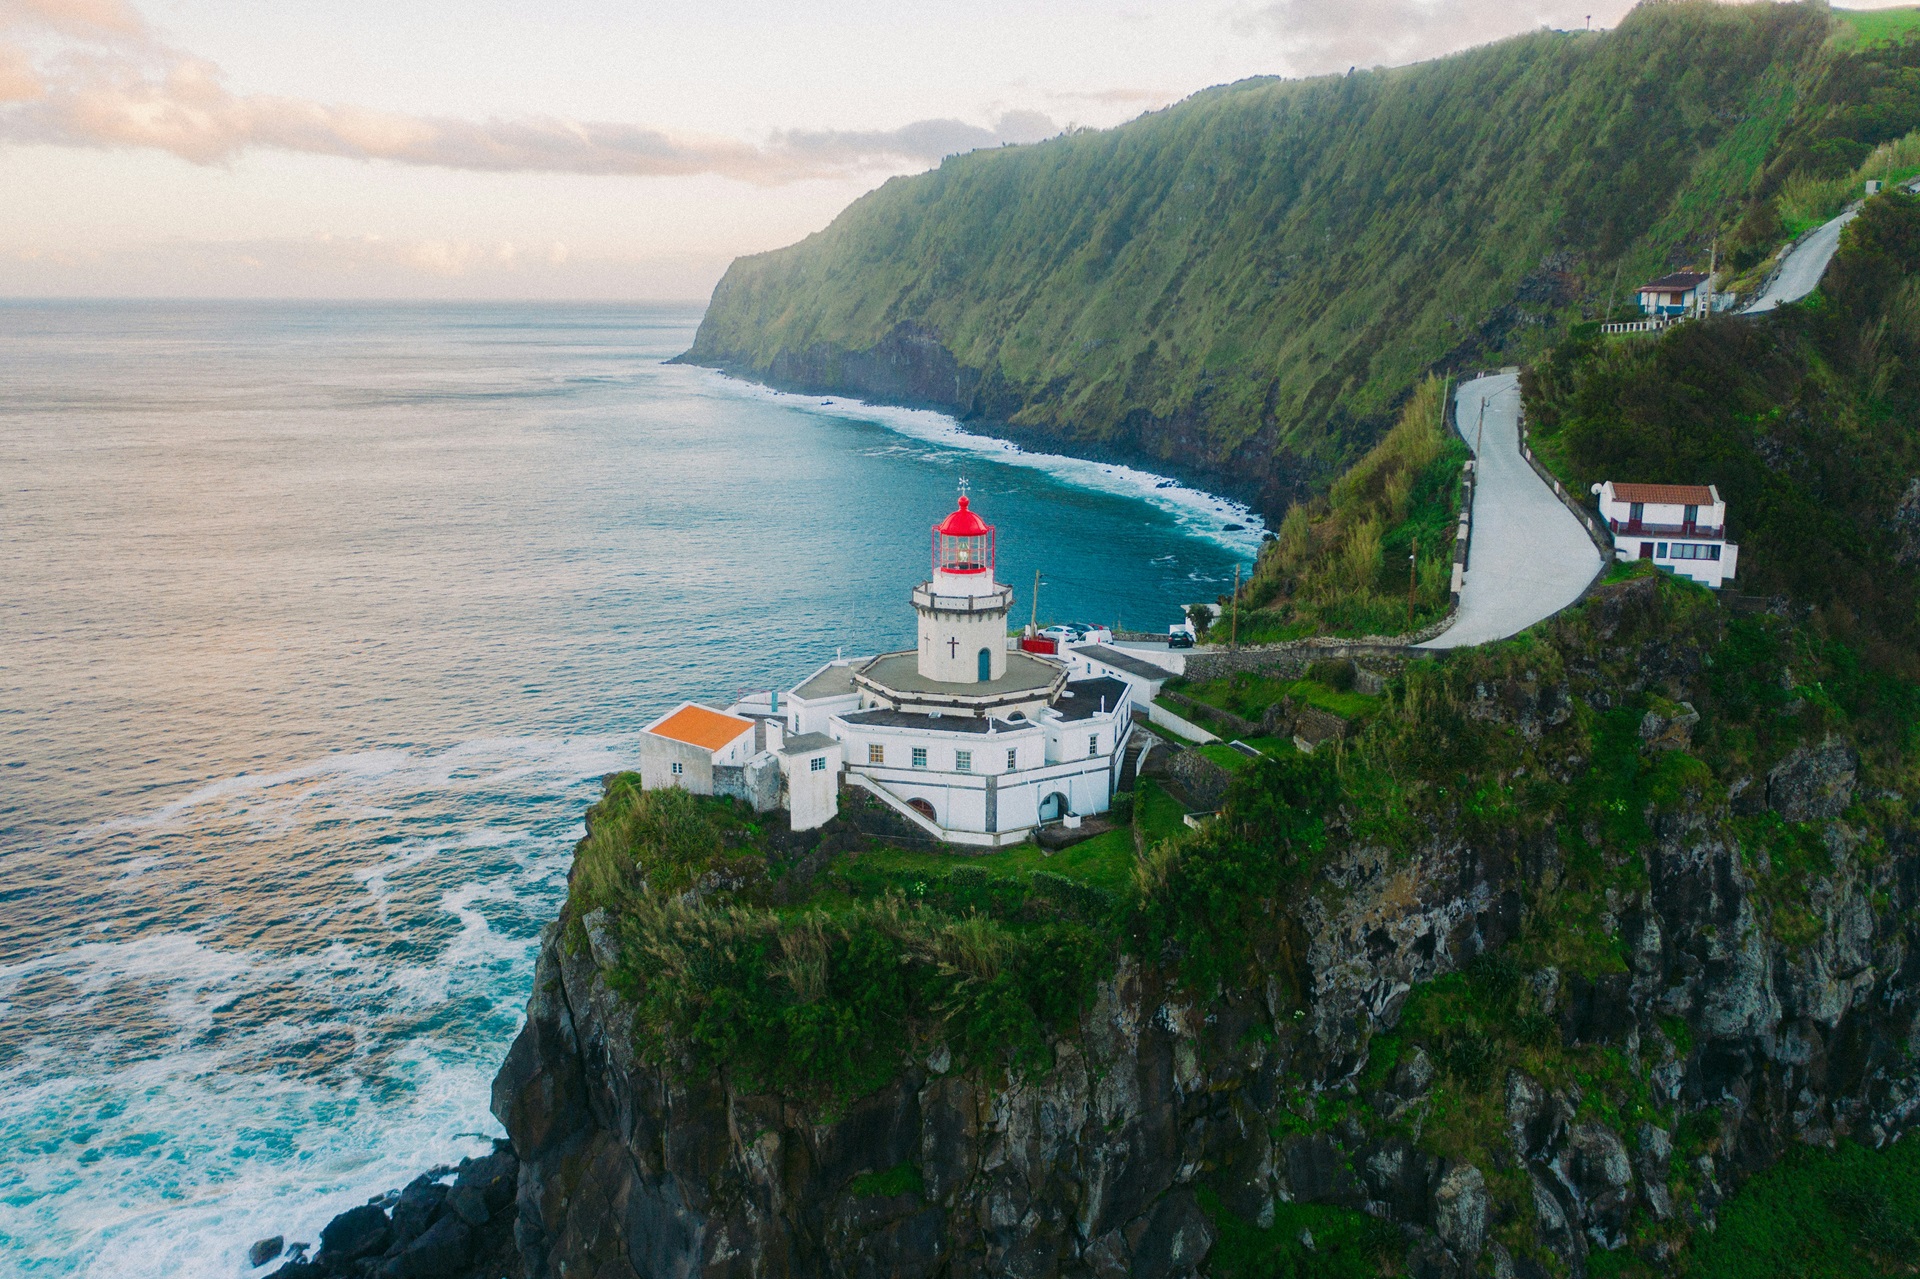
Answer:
(319, 624)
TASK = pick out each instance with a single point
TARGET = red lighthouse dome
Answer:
(963, 542)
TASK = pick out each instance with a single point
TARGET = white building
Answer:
(970, 739)
(1682, 528)
(709, 752)
(967, 737)
(1674, 295)
(810, 765)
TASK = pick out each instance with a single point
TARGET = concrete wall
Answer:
(756, 783)
(659, 754)
(813, 794)
(950, 645)
(989, 749)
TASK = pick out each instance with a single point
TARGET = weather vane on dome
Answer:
(963, 486)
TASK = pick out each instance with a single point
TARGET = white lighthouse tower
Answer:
(963, 611)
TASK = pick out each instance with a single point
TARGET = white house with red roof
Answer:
(1681, 528)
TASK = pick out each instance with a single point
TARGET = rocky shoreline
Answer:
(454, 1222)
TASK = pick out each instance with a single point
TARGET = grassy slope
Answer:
(1341, 562)
(1869, 25)
(1804, 421)
(1261, 272)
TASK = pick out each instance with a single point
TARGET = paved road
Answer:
(1530, 557)
(1800, 274)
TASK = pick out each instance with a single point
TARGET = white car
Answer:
(1074, 634)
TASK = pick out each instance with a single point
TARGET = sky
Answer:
(576, 149)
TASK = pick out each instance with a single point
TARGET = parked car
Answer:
(1180, 636)
(1074, 634)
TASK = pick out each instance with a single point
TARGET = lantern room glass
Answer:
(972, 554)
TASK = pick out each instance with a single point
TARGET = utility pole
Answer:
(1612, 293)
(1233, 624)
(1413, 555)
(1480, 434)
(1033, 624)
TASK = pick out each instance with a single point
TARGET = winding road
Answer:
(1805, 263)
(1529, 556)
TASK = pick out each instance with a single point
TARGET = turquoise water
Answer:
(320, 624)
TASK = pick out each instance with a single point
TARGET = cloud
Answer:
(1320, 35)
(359, 266)
(108, 83)
(110, 19)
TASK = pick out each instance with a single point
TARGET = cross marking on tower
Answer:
(953, 648)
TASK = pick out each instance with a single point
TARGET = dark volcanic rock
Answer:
(1815, 783)
(418, 1205)
(442, 1252)
(266, 1250)
(355, 1233)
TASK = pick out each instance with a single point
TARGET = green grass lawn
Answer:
(1156, 814)
(1104, 862)
(1249, 695)
(1226, 756)
(1872, 25)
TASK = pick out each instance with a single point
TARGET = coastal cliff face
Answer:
(1240, 289)
(1719, 998)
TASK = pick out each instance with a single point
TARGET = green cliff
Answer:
(1243, 288)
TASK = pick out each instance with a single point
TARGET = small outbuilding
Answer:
(810, 763)
(683, 747)
(1673, 295)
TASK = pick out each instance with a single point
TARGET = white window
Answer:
(1013, 759)
(876, 753)
(1093, 743)
(919, 757)
(963, 761)
(818, 764)
(678, 769)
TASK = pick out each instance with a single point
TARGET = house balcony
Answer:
(1642, 528)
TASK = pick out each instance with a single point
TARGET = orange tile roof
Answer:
(698, 726)
(1664, 494)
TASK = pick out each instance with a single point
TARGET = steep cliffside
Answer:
(1242, 287)
(1624, 954)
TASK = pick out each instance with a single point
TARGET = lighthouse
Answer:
(963, 610)
(965, 737)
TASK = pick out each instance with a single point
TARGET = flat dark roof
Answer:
(1088, 696)
(932, 723)
(1124, 662)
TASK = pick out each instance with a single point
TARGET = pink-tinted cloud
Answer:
(110, 84)
(1319, 36)
(88, 19)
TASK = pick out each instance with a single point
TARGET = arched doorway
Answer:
(1054, 807)
(924, 808)
(986, 665)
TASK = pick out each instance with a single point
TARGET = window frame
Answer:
(963, 761)
(876, 753)
(919, 757)
(818, 764)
